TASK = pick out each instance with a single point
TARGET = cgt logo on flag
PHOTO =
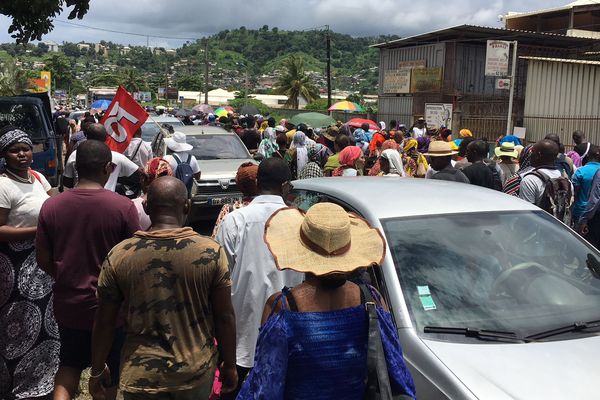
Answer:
(123, 118)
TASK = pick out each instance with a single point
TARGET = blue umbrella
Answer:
(101, 104)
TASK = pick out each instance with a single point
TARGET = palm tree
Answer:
(133, 81)
(13, 81)
(295, 83)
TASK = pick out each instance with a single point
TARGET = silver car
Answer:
(153, 125)
(492, 297)
(219, 154)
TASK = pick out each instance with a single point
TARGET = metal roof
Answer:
(466, 33)
(578, 3)
(562, 60)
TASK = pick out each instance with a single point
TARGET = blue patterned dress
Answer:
(321, 355)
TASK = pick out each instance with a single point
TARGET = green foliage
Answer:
(294, 83)
(13, 80)
(317, 105)
(33, 19)
(262, 107)
(189, 82)
(62, 70)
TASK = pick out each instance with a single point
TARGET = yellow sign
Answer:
(425, 80)
(47, 77)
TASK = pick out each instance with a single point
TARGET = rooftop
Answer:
(466, 33)
(562, 60)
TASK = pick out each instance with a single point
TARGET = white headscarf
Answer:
(393, 156)
(382, 125)
(299, 143)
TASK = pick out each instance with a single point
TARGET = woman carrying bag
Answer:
(327, 338)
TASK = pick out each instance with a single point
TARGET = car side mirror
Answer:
(258, 157)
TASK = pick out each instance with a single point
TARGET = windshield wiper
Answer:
(481, 334)
(574, 327)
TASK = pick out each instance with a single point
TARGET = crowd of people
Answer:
(90, 278)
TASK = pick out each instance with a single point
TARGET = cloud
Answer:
(197, 18)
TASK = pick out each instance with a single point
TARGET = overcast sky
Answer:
(197, 18)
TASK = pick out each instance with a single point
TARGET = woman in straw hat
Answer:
(313, 342)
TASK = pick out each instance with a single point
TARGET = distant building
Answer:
(124, 50)
(83, 46)
(52, 46)
(580, 18)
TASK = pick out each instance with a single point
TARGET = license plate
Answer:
(218, 201)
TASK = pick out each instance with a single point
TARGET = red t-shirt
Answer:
(80, 227)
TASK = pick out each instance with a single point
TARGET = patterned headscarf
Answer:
(12, 137)
(410, 144)
(157, 167)
(246, 179)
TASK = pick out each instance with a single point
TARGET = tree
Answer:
(239, 103)
(132, 81)
(13, 81)
(295, 83)
(33, 19)
(61, 69)
(189, 82)
(317, 105)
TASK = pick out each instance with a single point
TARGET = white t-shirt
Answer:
(183, 156)
(141, 156)
(418, 132)
(123, 167)
(24, 200)
(532, 187)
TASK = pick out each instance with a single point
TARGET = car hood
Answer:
(219, 169)
(565, 369)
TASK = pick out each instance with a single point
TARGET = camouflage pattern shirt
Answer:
(165, 279)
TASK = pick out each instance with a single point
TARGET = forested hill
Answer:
(239, 57)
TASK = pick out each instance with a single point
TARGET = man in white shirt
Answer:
(138, 151)
(543, 155)
(253, 272)
(419, 129)
(180, 148)
(122, 166)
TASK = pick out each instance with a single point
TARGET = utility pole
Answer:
(513, 78)
(206, 71)
(328, 38)
(167, 86)
(148, 42)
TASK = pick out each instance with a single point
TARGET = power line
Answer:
(123, 32)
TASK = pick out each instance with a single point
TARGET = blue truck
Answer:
(32, 113)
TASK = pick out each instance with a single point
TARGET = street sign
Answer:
(496, 58)
(502, 84)
(438, 115)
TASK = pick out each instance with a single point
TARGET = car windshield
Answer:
(150, 129)
(520, 272)
(217, 147)
(24, 116)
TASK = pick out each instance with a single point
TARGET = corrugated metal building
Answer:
(561, 97)
(460, 52)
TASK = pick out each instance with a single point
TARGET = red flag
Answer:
(122, 119)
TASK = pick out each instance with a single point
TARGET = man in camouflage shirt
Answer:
(176, 289)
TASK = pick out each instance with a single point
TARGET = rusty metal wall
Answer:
(560, 98)
(397, 108)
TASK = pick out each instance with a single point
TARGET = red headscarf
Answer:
(349, 155)
(157, 167)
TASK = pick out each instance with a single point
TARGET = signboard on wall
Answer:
(496, 58)
(396, 81)
(438, 115)
(425, 80)
(143, 96)
(412, 64)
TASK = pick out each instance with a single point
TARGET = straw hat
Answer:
(178, 143)
(440, 148)
(507, 149)
(325, 240)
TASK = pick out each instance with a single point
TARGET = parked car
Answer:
(32, 114)
(492, 297)
(219, 154)
(151, 127)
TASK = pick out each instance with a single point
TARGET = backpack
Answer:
(557, 197)
(496, 178)
(184, 172)
(563, 166)
(512, 186)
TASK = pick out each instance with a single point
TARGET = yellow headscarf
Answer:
(263, 126)
(465, 133)
(410, 144)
